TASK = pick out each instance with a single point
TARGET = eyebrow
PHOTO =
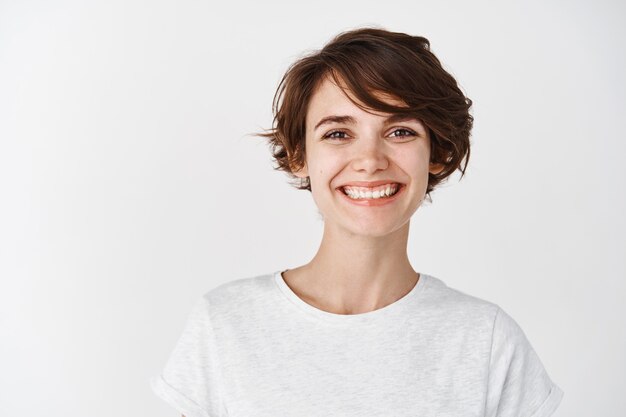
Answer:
(394, 118)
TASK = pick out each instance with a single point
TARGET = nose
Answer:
(370, 154)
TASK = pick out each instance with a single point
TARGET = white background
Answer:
(130, 183)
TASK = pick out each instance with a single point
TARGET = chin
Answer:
(366, 229)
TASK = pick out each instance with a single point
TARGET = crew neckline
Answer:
(350, 318)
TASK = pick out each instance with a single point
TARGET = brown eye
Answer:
(408, 132)
(329, 135)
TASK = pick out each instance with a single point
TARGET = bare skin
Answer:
(362, 263)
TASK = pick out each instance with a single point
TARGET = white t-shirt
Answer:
(251, 347)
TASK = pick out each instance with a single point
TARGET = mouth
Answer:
(381, 191)
(371, 196)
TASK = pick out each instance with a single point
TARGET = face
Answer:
(363, 148)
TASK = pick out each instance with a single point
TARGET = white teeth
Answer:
(361, 194)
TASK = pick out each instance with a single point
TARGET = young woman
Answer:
(370, 125)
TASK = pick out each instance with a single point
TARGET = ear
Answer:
(436, 168)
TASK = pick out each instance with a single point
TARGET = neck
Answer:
(352, 274)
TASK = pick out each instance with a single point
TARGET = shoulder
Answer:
(456, 306)
(240, 295)
(241, 289)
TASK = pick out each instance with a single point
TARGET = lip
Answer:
(373, 202)
(369, 183)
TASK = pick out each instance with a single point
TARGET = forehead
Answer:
(330, 98)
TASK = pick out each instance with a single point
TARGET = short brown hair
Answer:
(375, 60)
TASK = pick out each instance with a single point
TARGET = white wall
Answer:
(128, 186)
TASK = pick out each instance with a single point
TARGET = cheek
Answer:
(323, 168)
(324, 163)
(413, 163)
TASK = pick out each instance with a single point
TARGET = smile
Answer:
(375, 196)
(382, 191)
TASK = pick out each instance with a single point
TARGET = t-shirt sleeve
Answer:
(519, 385)
(190, 380)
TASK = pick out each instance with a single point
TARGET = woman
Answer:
(370, 125)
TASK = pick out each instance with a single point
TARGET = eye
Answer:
(408, 133)
(329, 135)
